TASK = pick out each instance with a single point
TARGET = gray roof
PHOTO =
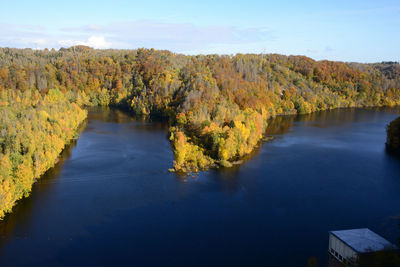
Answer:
(363, 240)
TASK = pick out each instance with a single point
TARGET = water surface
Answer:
(111, 200)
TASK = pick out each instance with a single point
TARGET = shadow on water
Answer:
(23, 210)
(109, 114)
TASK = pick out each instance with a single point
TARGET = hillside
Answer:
(217, 106)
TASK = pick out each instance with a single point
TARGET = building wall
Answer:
(340, 250)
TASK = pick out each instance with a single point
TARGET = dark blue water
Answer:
(111, 200)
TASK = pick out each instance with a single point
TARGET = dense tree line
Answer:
(218, 106)
(34, 128)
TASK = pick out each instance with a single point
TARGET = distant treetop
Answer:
(77, 48)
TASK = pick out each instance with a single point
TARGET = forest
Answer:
(34, 129)
(217, 106)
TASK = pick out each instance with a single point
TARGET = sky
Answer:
(360, 31)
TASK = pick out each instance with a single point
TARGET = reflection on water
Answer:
(111, 200)
(22, 212)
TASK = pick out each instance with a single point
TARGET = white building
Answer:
(348, 245)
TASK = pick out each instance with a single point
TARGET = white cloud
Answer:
(177, 37)
(98, 42)
(40, 41)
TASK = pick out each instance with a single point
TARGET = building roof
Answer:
(363, 240)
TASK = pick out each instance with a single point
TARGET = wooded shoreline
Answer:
(217, 106)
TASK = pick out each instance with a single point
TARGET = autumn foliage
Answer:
(34, 130)
(217, 106)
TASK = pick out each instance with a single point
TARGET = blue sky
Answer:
(362, 31)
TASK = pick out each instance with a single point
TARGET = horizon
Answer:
(347, 31)
(202, 54)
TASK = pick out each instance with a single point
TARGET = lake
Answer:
(111, 200)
